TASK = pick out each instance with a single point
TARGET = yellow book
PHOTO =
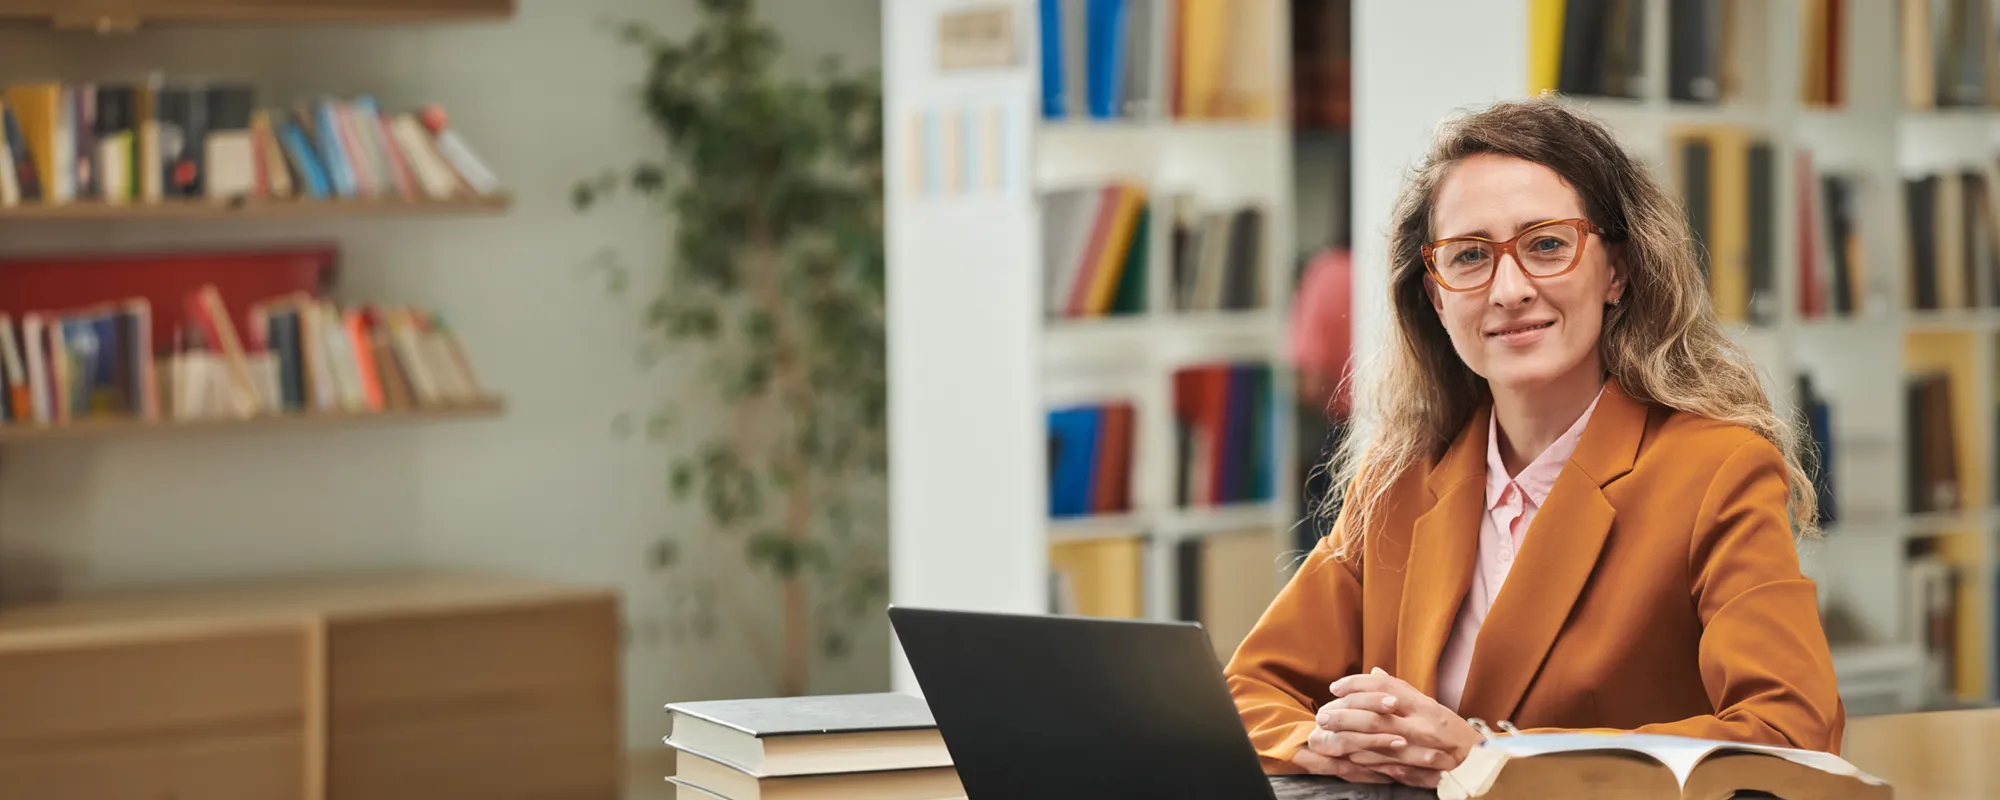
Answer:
(1204, 28)
(1100, 577)
(35, 108)
(1117, 246)
(1545, 36)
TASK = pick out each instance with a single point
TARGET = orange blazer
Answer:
(1658, 590)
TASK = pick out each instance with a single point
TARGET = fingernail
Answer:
(1388, 702)
(1399, 743)
(1377, 671)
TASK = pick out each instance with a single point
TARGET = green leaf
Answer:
(649, 178)
(681, 479)
(786, 557)
(758, 328)
(730, 490)
(664, 554)
(836, 645)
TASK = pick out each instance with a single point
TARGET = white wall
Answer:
(545, 490)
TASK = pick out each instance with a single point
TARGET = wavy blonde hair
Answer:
(1662, 342)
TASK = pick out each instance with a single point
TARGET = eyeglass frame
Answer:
(1582, 225)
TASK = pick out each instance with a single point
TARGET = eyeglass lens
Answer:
(1542, 252)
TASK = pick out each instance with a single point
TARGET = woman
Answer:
(1558, 413)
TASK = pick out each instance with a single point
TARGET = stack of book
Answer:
(875, 746)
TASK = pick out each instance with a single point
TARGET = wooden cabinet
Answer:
(377, 687)
(120, 14)
(505, 702)
(215, 711)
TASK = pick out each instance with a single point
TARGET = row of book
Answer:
(1141, 59)
(1095, 244)
(302, 354)
(1597, 48)
(1831, 267)
(154, 141)
(1727, 180)
(1953, 236)
(1950, 55)
(1098, 248)
(1587, 47)
(1221, 579)
(1226, 434)
(1225, 438)
(1090, 448)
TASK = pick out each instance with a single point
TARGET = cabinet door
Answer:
(516, 702)
(212, 712)
(86, 13)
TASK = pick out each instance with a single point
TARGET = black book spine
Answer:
(1764, 305)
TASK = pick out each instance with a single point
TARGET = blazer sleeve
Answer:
(1764, 657)
(1309, 636)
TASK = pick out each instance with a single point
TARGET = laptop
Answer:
(1058, 707)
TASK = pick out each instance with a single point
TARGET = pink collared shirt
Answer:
(1510, 507)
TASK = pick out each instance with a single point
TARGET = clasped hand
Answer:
(1379, 729)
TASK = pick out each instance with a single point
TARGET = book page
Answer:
(1679, 753)
(1822, 761)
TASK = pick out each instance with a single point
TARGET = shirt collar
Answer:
(1539, 477)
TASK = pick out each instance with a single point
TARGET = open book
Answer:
(1553, 766)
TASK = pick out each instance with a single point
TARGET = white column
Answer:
(1415, 63)
(966, 501)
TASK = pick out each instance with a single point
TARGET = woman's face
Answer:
(1520, 331)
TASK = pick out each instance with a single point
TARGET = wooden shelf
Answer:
(121, 15)
(112, 428)
(287, 209)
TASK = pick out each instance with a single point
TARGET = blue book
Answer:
(332, 154)
(1106, 59)
(1055, 103)
(299, 150)
(1073, 434)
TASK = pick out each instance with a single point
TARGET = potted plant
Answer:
(774, 186)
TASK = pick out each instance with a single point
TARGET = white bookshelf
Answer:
(975, 365)
(1858, 363)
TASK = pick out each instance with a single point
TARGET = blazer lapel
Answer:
(1555, 562)
(1443, 545)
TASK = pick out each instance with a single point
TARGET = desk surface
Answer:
(1296, 787)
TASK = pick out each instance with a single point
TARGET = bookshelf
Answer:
(1863, 286)
(1034, 220)
(126, 15)
(326, 420)
(194, 210)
